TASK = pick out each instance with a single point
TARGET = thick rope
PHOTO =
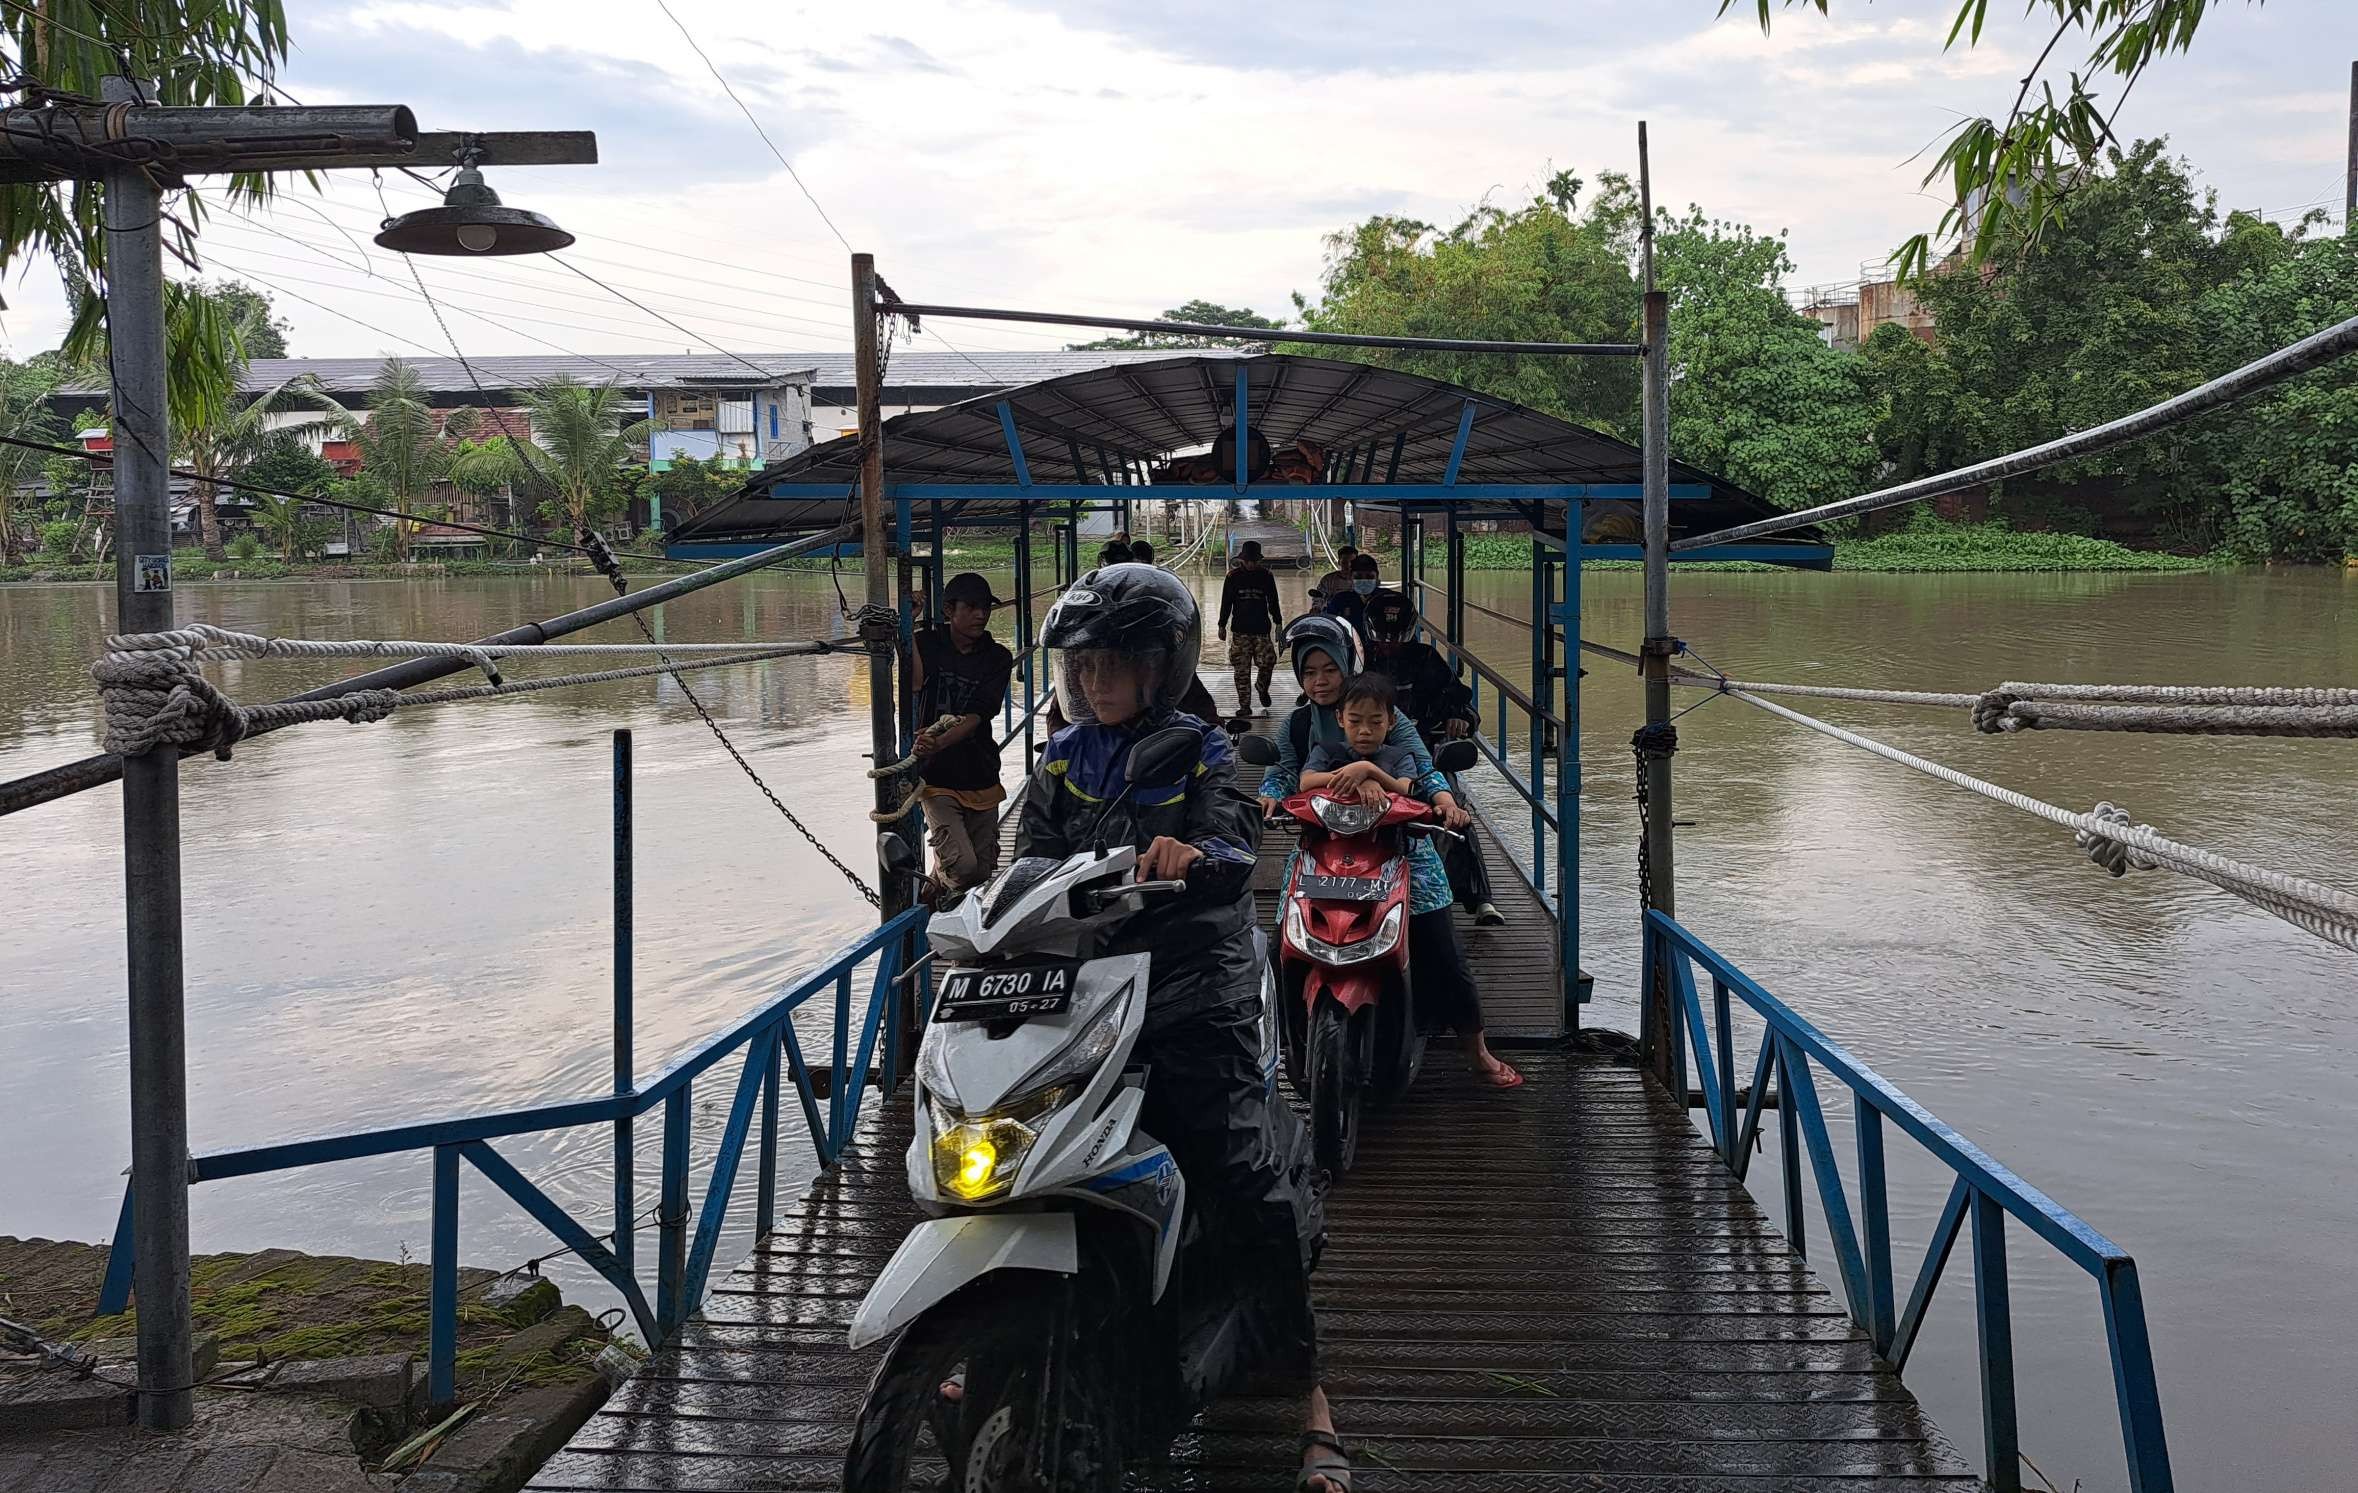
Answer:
(2115, 842)
(2012, 715)
(156, 697)
(210, 644)
(2193, 710)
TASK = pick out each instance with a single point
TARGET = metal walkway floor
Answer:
(1554, 1290)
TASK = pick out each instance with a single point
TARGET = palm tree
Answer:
(233, 438)
(402, 449)
(583, 459)
(283, 519)
(25, 417)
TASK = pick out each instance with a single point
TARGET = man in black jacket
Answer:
(1124, 641)
(1249, 608)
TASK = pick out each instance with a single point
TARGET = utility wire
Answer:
(767, 374)
(690, 37)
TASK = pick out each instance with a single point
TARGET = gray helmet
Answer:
(1323, 632)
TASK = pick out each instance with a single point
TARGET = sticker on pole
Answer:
(152, 573)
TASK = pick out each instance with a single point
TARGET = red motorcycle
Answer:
(1347, 1011)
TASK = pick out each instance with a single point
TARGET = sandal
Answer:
(1336, 1469)
(1505, 1076)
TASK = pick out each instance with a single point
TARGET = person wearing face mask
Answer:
(1351, 605)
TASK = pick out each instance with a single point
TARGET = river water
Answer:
(410, 919)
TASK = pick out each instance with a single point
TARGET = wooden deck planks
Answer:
(1556, 1290)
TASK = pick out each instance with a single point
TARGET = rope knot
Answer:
(2115, 855)
(1992, 713)
(155, 697)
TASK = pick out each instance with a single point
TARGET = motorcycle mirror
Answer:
(1260, 751)
(1455, 756)
(1164, 754)
(897, 855)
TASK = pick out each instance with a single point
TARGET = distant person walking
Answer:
(960, 676)
(1249, 619)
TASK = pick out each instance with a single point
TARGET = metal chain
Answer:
(1645, 742)
(603, 558)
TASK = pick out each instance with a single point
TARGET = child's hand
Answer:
(1373, 795)
(1351, 774)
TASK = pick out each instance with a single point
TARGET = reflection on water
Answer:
(410, 919)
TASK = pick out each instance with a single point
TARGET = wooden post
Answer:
(876, 625)
(1661, 1023)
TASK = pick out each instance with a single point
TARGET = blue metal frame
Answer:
(1984, 1194)
(895, 949)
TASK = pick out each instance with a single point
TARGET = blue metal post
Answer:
(625, 1149)
(1723, 1036)
(1875, 1224)
(671, 1237)
(1536, 773)
(1023, 636)
(442, 1294)
(1392, 467)
(2132, 1376)
(1788, 1147)
(1567, 621)
(1457, 448)
(765, 1194)
(837, 1130)
(1243, 386)
(1023, 469)
(1993, 1313)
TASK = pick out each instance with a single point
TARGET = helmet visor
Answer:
(1110, 686)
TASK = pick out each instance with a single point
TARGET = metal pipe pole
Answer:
(625, 1145)
(877, 622)
(151, 798)
(2350, 186)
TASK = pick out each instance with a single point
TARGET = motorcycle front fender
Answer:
(943, 1255)
(1353, 987)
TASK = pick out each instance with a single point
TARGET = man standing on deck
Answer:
(960, 676)
(1248, 604)
(1338, 580)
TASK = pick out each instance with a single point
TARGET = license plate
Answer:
(1344, 888)
(1007, 991)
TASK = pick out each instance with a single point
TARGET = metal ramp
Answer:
(1554, 1290)
(1282, 545)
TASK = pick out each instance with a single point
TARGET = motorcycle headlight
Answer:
(1345, 816)
(1087, 1050)
(976, 1157)
(1385, 939)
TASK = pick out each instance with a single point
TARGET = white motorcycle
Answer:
(1048, 1328)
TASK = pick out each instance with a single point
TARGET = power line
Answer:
(765, 373)
(749, 119)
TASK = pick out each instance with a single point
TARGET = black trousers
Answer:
(1446, 999)
(1249, 1171)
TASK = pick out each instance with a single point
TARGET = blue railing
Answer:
(1984, 1193)
(683, 1261)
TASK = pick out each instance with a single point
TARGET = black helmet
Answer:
(1390, 617)
(1323, 632)
(1136, 612)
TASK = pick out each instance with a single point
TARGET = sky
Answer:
(1106, 156)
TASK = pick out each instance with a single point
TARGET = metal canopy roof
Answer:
(1077, 432)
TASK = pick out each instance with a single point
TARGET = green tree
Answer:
(584, 460)
(1203, 312)
(262, 332)
(1535, 273)
(202, 52)
(689, 486)
(403, 451)
(1755, 395)
(2008, 177)
(25, 416)
(218, 426)
(290, 467)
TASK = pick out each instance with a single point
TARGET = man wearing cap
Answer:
(960, 676)
(1248, 607)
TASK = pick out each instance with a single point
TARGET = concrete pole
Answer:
(877, 630)
(151, 799)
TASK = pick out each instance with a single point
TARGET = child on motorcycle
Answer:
(1363, 763)
(1125, 641)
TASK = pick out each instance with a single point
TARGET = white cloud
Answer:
(1000, 150)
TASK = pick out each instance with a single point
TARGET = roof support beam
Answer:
(1023, 471)
(1457, 448)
